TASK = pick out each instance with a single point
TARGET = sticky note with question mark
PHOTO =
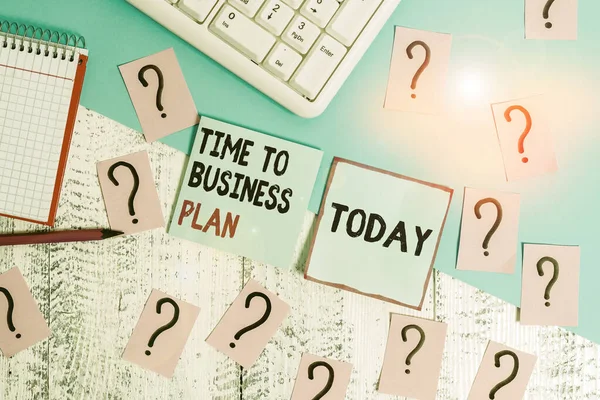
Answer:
(550, 287)
(321, 378)
(129, 192)
(503, 373)
(160, 95)
(551, 19)
(524, 135)
(249, 323)
(21, 322)
(417, 79)
(413, 357)
(161, 333)
(489, 231)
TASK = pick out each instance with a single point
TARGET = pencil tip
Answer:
(108, 233)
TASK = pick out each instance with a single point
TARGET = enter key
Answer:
(318, 66)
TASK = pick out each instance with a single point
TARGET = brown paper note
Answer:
(418, 71)
(129, 193)
(550, 289)
(161, 333)
(489, 231)
(319, 376)
(248, 324)
(525, 137)
(413, 357)
(551, 20)
(22, 324)
(502, 363)
(160, 95)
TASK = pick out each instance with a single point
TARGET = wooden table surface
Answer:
(92, 294)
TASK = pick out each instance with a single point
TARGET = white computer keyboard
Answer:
(298, 52)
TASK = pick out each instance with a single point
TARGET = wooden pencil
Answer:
(85, 235)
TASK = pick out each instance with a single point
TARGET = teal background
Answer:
(490, 62)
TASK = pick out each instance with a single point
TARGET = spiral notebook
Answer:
(41, 76)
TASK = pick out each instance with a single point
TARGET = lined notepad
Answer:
(40, 85)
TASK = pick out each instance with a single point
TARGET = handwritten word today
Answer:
(374, 228)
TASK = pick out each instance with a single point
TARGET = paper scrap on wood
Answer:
(248, 324)
(161, 333)
(383, 246)
(489, 231)
(24, 324)
(413, 357)
(129, 192)
(550, 285)
(503, 373)
(322, 378)
(160, 95)
(417, 80)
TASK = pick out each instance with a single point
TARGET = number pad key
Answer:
(319, 11)
(351, 19)
(301, 34)
(282, 61)
(197, 9)
(293, 3)
(248, 7)
(275, 16)
(242, 33)
(318, 66)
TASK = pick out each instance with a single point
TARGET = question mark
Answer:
(554, 277)
(258, 323)
(9, 313)
(167, 326)
(512, 375)
(161, 84)
(546, 11)
(311, 376)
(527, 127)
(419, 345)
(136, 184)
(494, 227)
(417, 75)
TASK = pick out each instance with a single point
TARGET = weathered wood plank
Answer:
(93, 293)
(25, 375)
(567, 366)
(324, 321)
(98, 290)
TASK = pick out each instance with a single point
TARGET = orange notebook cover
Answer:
(41, 77)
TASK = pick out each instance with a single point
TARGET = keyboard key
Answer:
(318, 66)
(242, 33)
(282, 61)
(319, 11)
(275, 16)
(248, 7)
(351, 19)
(301, 34)
(197, 9)
(293, 3)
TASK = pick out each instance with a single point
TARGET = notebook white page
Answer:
(35, 95)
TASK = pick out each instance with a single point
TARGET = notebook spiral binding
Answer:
(43, 41)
